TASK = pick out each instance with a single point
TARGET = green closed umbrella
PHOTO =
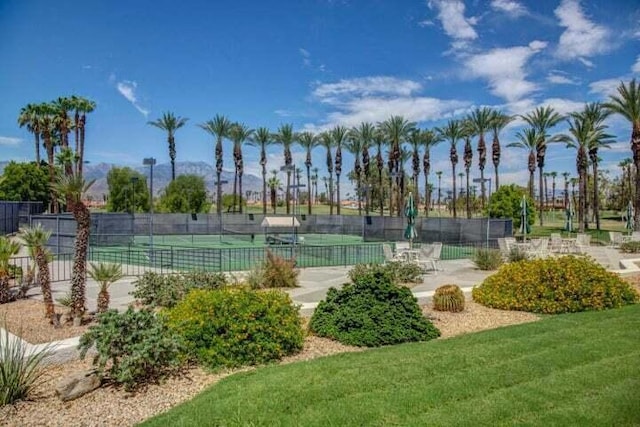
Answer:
(568, 220)
(524, 220)
(630, 214)
(410, 212)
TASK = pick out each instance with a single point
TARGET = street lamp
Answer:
(482, 181)
(150, 161)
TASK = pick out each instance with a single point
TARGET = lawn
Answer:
(576, 369)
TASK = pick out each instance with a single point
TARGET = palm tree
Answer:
(625, 165)
(429, 140)
(314, 181)
(553, 176)
(170, 124)
(480, 122)
(566, 176)
(396, 129)
(219, 128)
(578, 138)
(238, 133)
(497, 122)
(468, 131)
(452, 132)
(286, 137)
(308, 141)
(627, 105)
(327, 142)
(378, 139)
(262, 138)
(274, 183)
(365, 133)
(45, 113)
(415, 139)
(339, 136)
(546, 189)
(542, 119)
(528, 139)
(83, 106)
(105, 274)
(439, 175)
(36, 238)
(29, 117)
(71, 188)
(354, 146)
(8, 249)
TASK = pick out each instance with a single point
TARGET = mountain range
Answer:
(162, 176)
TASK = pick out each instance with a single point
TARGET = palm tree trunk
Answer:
(172, 156)
(81, 147)
(45, 286)
(288, 195)
(103, 301)
(596, 201)
(79, 273)
(381, 191)
(455, 212)
(482, 187)
(240, 188)
(496, 178)
(218, 194)
(264, 190)
(309, 186)
(235, 189)
(427, 195)
(37, 136)
(338, 193)
(541, 194)
(467, 197)
(584, 221)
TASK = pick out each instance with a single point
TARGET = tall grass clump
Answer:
(20, 368)
(487, 259)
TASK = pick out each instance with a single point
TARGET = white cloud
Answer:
(636, 67)
(562, 105)
(10, 141)
(510, 7)
(455, 24)
(581, 37)
(306, 57)
(128, 90)
(426, 23)
(605, 87)
(364, 86)
(504, 68)
(560, 78)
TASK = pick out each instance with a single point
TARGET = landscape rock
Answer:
(77, 384)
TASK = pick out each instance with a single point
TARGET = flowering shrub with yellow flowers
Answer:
(554, 285)
(237, 326)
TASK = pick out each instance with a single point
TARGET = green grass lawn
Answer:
(578, 369)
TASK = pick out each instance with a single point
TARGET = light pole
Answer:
(482, 181)
(150, 161)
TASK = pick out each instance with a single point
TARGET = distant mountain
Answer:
(162, 176)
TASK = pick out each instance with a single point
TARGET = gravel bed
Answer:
(110, 406)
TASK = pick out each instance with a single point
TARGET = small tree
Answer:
(7, 250)
(105, 274)
(505, 203)
(127, 191)
(186, 194)
(25, 182)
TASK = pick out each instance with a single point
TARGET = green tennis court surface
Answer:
(243, 240)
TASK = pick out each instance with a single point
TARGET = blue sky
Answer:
(312, 63)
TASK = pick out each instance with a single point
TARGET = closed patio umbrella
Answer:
(569, 213)
(524, 222)
(410, 212)
(630, 214)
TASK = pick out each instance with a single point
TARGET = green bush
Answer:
(517, 254)
(632, 247)
(156, 290)
(372, 311)
(400, 272)
(137, 345)
(448, 298)
(278, 272)
(20, 368)
(505, 203)
(237, 326)
(487, 259)
(554, 285)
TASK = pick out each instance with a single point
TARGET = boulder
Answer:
(77, 384)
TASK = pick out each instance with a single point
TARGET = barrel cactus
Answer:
(448, 298)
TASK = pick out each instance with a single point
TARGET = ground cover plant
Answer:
(371, 311)
(237, 326)
(158, 290)
(572, 369)
(554, 285)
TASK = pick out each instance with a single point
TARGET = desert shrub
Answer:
(137, 345)
(554, 285)
(372, 311)
(237, 326)
(400, 272)
(20, 368)
(517, 254)
(156, 290)
(487, 259)
(448, 298)
(632, 247)
(254, 278)
(278, 272)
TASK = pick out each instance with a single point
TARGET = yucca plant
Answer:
(105, 274)
(20, 368)
(448, 298)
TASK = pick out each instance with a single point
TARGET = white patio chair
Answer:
(388, 253)
(504, 248)
(555, 243)
(582, 243)
(615, 239)
(430, 256)
(539, 248)
(402, 246)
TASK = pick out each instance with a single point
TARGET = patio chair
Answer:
(582, 243)
(504, 248)
(539, 248)
(511, 242)
(430, 256)
(555, 243)
(402, 246)
(635, 236)
(615, 239)
(388, 253)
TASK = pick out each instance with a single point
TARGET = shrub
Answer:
(237, 326)
(137, 344)
(448, 298)
(487, 259)
(632, 247)
(20, 368)
(156, 290)
(278, 272)
(372, 311)
(255, 277)
(554, 285)
(505, 203)
(400, 272)
(517, 254)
